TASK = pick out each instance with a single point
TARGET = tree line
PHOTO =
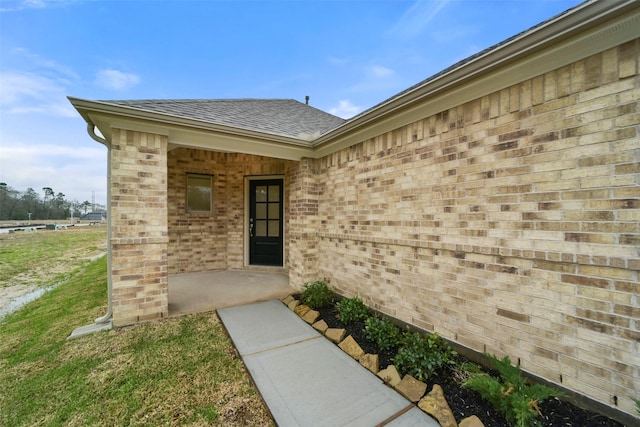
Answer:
(33, 205)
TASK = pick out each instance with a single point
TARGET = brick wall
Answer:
(509, 224)
(138, 220)
(213, 241)
(303, 222)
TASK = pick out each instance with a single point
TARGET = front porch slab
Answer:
(212, 290)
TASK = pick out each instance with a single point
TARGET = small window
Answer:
(199, 192)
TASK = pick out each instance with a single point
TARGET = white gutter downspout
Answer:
(104, 322)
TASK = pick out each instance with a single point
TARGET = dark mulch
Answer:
(465, 402)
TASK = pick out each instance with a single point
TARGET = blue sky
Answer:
(346, 55)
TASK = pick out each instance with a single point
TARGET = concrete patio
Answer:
(212, 290)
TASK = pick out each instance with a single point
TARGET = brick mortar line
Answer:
(555, 257)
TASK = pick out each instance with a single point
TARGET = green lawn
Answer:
(180, 371)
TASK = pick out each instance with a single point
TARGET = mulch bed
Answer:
(465, 402)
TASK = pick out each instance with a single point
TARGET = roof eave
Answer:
(164, 120)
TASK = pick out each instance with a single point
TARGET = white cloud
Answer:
(46, 65)
(116, 80)
(26, 92)
(15, 5)
(417, 17)
(75, 171)
(374, 79)
(345, 109)
(380, 71)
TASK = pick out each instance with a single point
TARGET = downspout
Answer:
(91, 131)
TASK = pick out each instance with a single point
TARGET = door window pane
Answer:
(274, 211)
(199, 193)
(274, 193)
(274, 228)
(261, 193)
(261, 211)
(261, 228)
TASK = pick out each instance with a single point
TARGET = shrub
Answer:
(510, 394)
(316, 294)
(383, 332)
(352, 310)
(464, 371)
(421, 355)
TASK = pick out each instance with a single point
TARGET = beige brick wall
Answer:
(138, 219)
(303, 222)
(213, 241)
(509, 224)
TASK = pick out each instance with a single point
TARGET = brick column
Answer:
(138, 219)
(303, 223)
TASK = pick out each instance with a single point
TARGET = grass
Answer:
(180, 371)
(46, 257)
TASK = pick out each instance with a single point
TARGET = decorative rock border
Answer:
(433, 403)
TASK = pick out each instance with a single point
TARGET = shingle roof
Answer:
(286, 117)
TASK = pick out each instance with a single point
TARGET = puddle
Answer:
(20, 301)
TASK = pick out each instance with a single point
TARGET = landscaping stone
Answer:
(286, 300)
(301, 310)
(320, 326)
(351, 347)
(390, 375)
(311, 317)
(293, 304)
(411, 388)
(436, 405)
(471, 421)
(335, 335)
(370, 361)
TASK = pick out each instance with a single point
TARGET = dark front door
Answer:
(265, 222)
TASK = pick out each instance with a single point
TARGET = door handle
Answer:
(251, 227)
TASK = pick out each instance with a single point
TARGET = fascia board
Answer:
(194, 138)
(231, 143)
(508, 65)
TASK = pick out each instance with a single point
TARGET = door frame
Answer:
(247, 209)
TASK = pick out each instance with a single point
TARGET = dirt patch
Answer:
(43, 268)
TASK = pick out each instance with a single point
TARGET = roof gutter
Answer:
(103, 322)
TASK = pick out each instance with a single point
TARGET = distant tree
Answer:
(32, 203)
(16, 205)
(48, 195)
(3, 200)
(59, 207)
(9, 199)
(85, 205)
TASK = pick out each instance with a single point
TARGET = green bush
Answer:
(352, 310)
(316, 294)
(637, 405)
(421, 355)
(383, 332)
(510, 394)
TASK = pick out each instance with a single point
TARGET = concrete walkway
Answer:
(306, 380)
